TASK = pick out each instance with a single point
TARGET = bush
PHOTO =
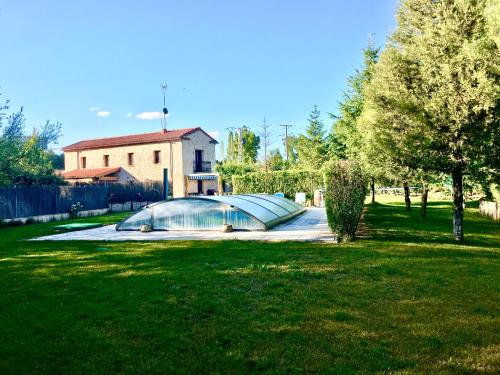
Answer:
(346, 187)
(287, 182)
(75, 209)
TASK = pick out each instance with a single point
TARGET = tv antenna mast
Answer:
(165, 110)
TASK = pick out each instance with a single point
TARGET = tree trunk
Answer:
(407, 196)
(458, 204)
(423, 201)
(372, 186)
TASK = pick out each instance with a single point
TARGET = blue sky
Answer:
(96, 66)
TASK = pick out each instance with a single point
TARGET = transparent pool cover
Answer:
(243, 212)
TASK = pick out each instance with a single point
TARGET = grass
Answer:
(405, 300)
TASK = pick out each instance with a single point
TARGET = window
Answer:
(199, 165)
(105, 160)
(156, 157)
(198, 155)
(84, 162)
(131, 158)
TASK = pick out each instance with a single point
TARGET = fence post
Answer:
(165, 183)
(15, 207)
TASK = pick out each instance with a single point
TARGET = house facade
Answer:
(188, 154)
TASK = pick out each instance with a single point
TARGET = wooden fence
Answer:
(27, 201)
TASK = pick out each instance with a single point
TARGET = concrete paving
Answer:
(312, 226)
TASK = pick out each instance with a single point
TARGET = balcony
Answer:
(202, 167)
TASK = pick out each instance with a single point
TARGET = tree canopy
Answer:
(311, 147)
(432, 102)
(345, 141)
(250, 146)
(25, 159)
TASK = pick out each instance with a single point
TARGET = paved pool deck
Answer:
(311, 226)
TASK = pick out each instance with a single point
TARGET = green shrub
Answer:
(227, 170)
(287, 182)
(75, 209)
(344, 197)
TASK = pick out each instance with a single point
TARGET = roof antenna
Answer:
(165, 110)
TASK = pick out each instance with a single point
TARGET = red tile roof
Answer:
(90, 173)
(135, 139)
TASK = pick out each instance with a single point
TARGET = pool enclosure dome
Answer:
(243, 212)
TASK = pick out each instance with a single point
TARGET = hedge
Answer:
(271, 182)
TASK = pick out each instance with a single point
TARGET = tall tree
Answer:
(251, 146)
(11, 143)
(49, 133)
(232, 147)
(26, 159)
(292, 152)
(311, 146)
(433, 101)
(222, 151)
(345, 139)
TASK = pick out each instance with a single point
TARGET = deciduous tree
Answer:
(26, 159)
(265, 135)
(251, 146)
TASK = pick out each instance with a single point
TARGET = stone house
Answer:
(187, 154)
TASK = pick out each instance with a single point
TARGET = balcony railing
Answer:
(202, 167)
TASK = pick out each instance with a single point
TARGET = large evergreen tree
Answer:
(345, 140)
(432, 103)
(311, 146)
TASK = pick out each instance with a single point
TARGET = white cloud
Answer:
(214, 134)
(93, 109)
(129, 114)
(103, 113)
(149, 116)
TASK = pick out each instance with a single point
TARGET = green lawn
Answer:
(405, 300)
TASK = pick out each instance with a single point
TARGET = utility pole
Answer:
(285, 140)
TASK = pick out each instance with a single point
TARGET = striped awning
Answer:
(200, 176)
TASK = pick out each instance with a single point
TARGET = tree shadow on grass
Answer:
(243, 306)
(392, 223)
(406, 298)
